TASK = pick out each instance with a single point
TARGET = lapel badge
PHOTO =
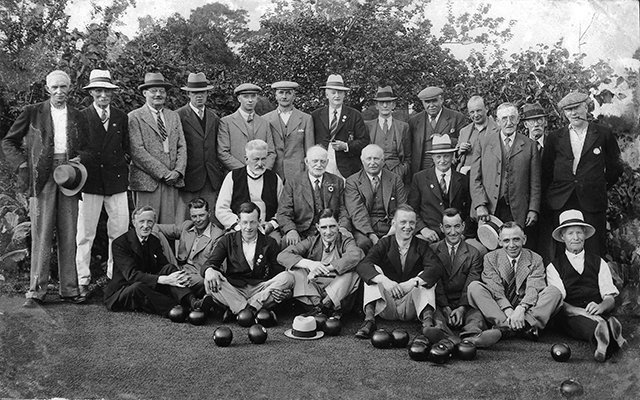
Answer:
(330, 188)
(344, 118)
(597, 151)
(350, 137)
(431, 186)
(452, 130)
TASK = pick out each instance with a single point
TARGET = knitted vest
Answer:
(241, 191)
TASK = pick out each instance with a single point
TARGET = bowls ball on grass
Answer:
(419, 351)
(257, 334)
(439, 353)
(466, 350)
(332, 327)
(246, 318)
(571, 388)
(197, 317)
(321, 320)
(223, 336)
(178, 314)
(381, 339)
(399, 338)
(560, 352)
(266, 318)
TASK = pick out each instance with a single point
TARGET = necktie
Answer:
(250, 118)
(375, 182)
(161, 129)
(250, 125)
(539, 147)
(385, 126)
(200, 113)
(317, 196)
(432, 121)
(511, 282)
(507, 143)
(104, 117)
(334, 121)
(443, 184)
(452, 255)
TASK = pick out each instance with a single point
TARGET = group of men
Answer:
(265, 208)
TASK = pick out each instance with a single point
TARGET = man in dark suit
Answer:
(108, 169)
(252, 278)
(306, 195)
(435, 120)
(513, 295)
(400, 272)
(292, 131)
(204, 173)
(580, 163)
(481, 125)
(340, 129)
(392, 135)
(143, 279)
(462, 265)
(371, 197)
(53, 133)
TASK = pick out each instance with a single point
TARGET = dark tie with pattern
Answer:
(385, 126)
(334, 122)
(375, 182)
(317, 196)
(443, 184)
(507, 143)
(452, 255)
(250, 125)
(433, 123)
(161, 129)
(511, 282)
(104, 116)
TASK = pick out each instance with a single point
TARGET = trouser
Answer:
(548, 304)
(363, 241)
(473, 322)
(408, 308)
(89, 210)
(337, 288)
(196, 281)
(49, 210)
(257, 296)
(164, 200)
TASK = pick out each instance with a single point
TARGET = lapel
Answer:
(148, 117)
(307, 189)
(240, 253)
(239, 122)
(442, 252)
(365, 188)
(517, 145)
(47, 121)
(315, 251)
(589, 140)
(396, 132)
(188, 238)
(394, 255)
(294, 121)
(387, 188)
(523, 269)
(443, 123)
(344, 117)
(329, 186)
(460, 257)
(412, 254)
(211, 116)
(276, 123)
(136, 247)
(194, 121)
(324, 118)
(454, 185)
(494, 145)
(564, 141)
(434, 186)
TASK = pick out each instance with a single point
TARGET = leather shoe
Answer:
(616, 333)
(312, 312)
(366, 330)
(433, 334)
(601, 334)
(531, 333)
(32, 302)
(485, 339)
(204, 304)
(73, 299)
(228, 316)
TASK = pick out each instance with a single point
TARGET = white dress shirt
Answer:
(59, 118)
(605, 280)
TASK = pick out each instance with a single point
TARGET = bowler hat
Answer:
(572, 100)
(442, 144)
(100, 79)
(304, 328)
(154, 79)
(531, 111)
(430, 92)
(70, 177)
(384, 94)
(247, 88)
(489, 233)
(335, 82)
(284, 85)
(572, 218)
(197, 83)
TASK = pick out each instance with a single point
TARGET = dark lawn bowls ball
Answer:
(246, 318)
(223, 336)
(419, 351)
(332, 327)
(257, 334)
(266, 318)
(178, 314)
(321, 320)
(381, 339)
(439, 353)
(449, 343)
(560, 352)
(399, 338)
(197, 317)
(465, 350)
(571, 388)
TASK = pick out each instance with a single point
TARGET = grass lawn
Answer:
(85, 351)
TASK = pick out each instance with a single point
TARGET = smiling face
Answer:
(405, 223)
(452, 227)
(328, 228)
(249, 223)
(316, 161)
(199, 217)
(155, 96)
(443, 161)
(512, 239)
(573, 237)
(477, 111)
(372, 158)
(143, 223)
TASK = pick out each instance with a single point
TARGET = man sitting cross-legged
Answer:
(324, 267)
(252, 277)
(400, 272)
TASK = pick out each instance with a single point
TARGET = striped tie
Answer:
(104, 116)
(511, 282)
(334, 122)
(161, 129)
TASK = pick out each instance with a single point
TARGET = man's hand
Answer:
(345, 232)
(339, 145)
(532, 217)
(213, 280)
(320, 270)
(268, 228)
(177, 278)
(594, 308)
(429, 234)
(456, 317)
(516, 319)
(483, 214)
(293, 237)
(374, 238)
(281, 295)
(172, 177)
(464, 147)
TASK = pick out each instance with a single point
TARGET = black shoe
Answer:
(434, 334)
(366, 329)
(485, 339)
(73, 299)
(616, 333)
(336, 314)
(601, 334)
(228, 316)
(312, 311)
(32, 302)
(532, 333)
(205, 304)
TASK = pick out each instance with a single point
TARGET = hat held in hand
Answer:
(70, 178)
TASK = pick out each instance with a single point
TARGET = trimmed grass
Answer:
(85, 351)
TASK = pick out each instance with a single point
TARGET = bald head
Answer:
(372, 158)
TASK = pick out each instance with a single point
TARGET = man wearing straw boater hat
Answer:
(587, 288)
(204, 173)
(292, 131)
(158, 151)
(108, 169)
(391, 134)
(340, 129)
(53, 135)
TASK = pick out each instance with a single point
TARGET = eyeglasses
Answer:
(157, 91)
(510, 118)
(535, 121)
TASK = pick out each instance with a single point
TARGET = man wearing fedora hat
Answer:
(481, 125)
(53, 134)
(204, 172)
(292, 131)
(158, 151)
(434, 120)
(587, 288)
(580, 163)
(241, 127)
(391, 134)
(108, 168)
(535, 121)
(340, 129)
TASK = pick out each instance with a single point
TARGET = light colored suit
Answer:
(291, 141)
(233, 137)
(470, 135)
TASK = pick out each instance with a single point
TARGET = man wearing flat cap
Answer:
(481, 125)
(391, 134)
(292, 131)
(158, 151)
(108, 169)
(580, 163)
(241, 127)
(587, 288)
(435, 120)
(53, 134)
(340, 129)
(204, 173)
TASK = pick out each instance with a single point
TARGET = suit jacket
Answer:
(129, 264)
(106, 161)
(467, 134)
(237, 270)
(186, 234)
(233, 137)
(358, 198)
(149, 161)
(421, 261)
(291, 143)
(530, 277)
(400, 131)
(426, 198)
(312, 248)
(598, 170)
(351, 129)
(295, 206)
(524, 176)
(466, 268)
(202, 149)
(35, 126)
(450, 122)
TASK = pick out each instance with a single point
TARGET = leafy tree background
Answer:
(370, 43)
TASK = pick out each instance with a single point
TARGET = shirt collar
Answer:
(578, 132)
(281, 111)
(503, 137)
(244, 114)
(253, 174)
(154, 111)
(141, 240)
(196, 109)
(447, 175)
(437, 117)
(206, 232)
(313, 179)
(253, 241)
(372, 176)
(573, 256)
(388, 119)
(99, 110)
(331, 110)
